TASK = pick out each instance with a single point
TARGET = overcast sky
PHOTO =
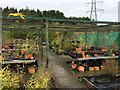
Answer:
(76, 8)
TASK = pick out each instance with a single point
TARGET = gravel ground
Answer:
(63, 77)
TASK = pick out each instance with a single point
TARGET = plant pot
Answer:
(101, 67)
(4, 58)
(1, 58)
(91, 68)
(65, 53)
(96, 68)
(104, 50)
(6, 46)
(95, 55)
(16, 57)
(29, 56)
(31, 70)
(74, 66)
(78, 50)
(80, 68)
(87, 56)
(83, 54)
(79, 55)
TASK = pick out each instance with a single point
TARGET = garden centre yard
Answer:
(59, 53)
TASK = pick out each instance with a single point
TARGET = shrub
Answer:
(39, 80)
(110, 67)
(9, 79)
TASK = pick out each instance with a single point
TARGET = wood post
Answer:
(47, 44)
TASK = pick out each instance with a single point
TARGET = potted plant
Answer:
(16, 55)
(29, 55)
(31, 70)
(80, 68)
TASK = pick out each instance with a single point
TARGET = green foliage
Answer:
(17, 34)
(9, 79)
(67, 46)
(8, 10)
(110, 67)
(39, 80)
(38, 13)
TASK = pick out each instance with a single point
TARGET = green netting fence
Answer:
(100, 39)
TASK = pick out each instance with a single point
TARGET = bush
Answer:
(110, 67)
(9, 79)
(39, 80)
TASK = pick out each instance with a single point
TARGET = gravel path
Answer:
(63, 77)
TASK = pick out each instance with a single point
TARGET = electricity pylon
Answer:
(93, 10)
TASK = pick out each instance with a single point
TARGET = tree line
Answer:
(38, 13)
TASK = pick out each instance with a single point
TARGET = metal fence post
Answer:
(86, 39)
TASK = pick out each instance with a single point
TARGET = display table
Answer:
(99, 57)
(18, 61)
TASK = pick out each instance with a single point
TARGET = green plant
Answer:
(39, 80)
(9, 79)
(67, 45)
(110, 67)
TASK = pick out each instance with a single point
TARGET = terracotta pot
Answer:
(74, 66)
(29, 56)
(87, 56)
(91, 68)
(95, 55)
(113, 54)
(103, 49)
(83, 53)
(1, 58)
(101, 67)
(4, 58)
(31, 70)
(16, 57)
(96, 68)
(6, 46)
(80, 68)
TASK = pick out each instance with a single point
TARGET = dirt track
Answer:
(63, 77)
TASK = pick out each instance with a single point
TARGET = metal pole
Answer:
(86, 39)
(0, 42)
(47, 44)
(41, 45)
(0, 27)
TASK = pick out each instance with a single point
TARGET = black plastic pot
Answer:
(79, 55)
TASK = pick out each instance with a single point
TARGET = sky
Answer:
(76, 8)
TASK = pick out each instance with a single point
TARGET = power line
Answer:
(93, 9)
